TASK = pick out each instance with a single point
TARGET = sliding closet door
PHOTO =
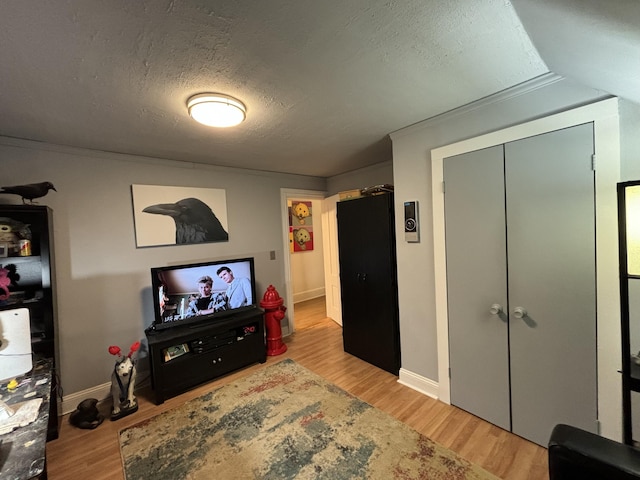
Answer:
(551, 263)
(476, 280)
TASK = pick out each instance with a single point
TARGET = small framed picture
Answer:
(4, 250)
(175, 351)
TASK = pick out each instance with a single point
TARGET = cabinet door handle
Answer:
(495, 309)
(519, 312)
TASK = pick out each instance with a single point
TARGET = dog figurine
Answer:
(123, 381)
(86, 415)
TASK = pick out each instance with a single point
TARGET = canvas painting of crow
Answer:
(179, 215)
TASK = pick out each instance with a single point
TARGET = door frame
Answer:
(287, 194)
(605, 117)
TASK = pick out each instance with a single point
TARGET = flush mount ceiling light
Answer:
(216, 109)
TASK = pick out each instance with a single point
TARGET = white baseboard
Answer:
(308, 294)
(70, 402)
(419, 383)
(101, 392)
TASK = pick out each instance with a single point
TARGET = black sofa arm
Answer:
(578, 454)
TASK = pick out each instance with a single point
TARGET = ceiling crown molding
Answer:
(523, 88)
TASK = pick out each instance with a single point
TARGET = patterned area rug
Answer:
(284, 422)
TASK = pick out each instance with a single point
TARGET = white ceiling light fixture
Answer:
(216, 110)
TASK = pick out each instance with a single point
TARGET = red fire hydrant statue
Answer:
(273, 313)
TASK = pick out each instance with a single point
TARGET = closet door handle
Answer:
(519, 312)
(495, 309)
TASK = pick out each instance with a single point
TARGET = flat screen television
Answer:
(202, 292)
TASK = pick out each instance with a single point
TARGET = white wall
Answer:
(630, 140)
(102, 279)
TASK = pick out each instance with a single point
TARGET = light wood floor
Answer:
(316, 345)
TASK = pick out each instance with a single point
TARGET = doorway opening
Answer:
(304, 264)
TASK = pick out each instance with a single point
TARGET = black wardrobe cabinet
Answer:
(368, 279)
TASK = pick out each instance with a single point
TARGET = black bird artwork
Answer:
(195, 221)
(31, 191)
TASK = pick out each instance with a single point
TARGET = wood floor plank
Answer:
(316, 345)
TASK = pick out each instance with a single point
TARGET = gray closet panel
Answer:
(476, 279)
(539, 267)
(551, 262)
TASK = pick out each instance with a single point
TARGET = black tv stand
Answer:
(184, 356)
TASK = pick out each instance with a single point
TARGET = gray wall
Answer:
(102, 279)
(412, 178)
(378, 174)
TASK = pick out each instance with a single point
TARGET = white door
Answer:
(331, 264)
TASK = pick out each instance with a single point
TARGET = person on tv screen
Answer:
(238, 290)
(162, 298)
(206, 302)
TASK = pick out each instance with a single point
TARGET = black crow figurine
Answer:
(195, 221)
(29, 192)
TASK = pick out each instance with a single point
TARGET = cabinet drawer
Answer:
(194, 368)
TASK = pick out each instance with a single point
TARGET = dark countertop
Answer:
(22, 451)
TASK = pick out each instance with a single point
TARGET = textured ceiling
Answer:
(324, 82)
(595, 42)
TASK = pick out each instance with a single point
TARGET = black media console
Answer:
(186, 356)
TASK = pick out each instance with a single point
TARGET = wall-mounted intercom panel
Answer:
(411, 230)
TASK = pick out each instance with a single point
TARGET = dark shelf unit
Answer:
(214, 349)
(629, 284)
(35, 288)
